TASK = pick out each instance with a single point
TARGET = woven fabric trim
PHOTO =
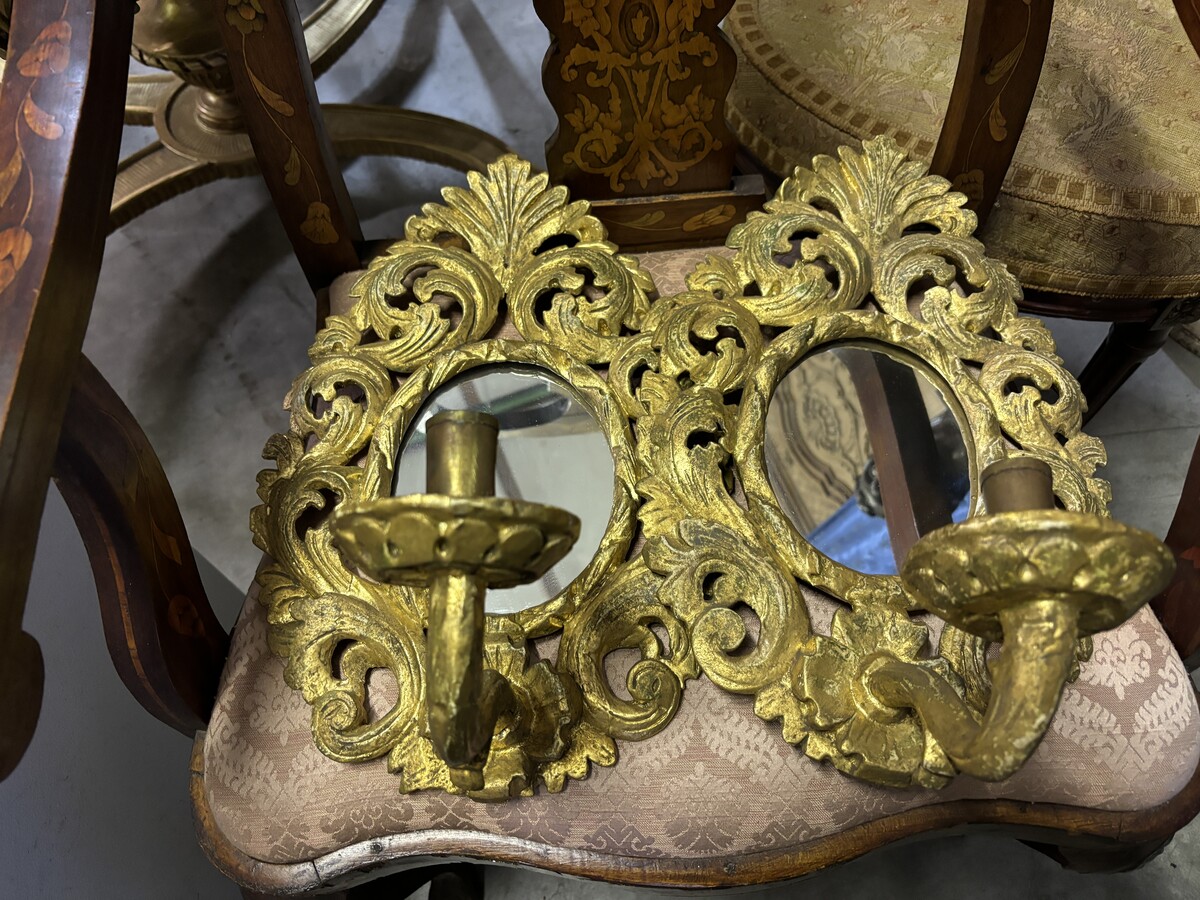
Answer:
(1038, 276)
(1025, 181)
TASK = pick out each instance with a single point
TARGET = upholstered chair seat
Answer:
(1102, 198)
(718, 783)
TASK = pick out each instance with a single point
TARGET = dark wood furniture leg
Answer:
(164, 639)
(1127, 346)
(61, 115)
(274, 85)
(1178, 607)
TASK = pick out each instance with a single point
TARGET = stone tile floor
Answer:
(201, 321)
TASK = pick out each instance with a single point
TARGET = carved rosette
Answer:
(508, 271)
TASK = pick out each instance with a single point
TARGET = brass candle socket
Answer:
(1035, 578)
(458, 540)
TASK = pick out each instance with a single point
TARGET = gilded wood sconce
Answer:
(509, 273)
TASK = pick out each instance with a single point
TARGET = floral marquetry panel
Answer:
(270, 71)
(639, 88)
(700, 574)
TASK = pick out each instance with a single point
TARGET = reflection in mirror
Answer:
(550, 450)
(865, 456)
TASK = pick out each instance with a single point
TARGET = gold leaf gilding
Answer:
(680, 386)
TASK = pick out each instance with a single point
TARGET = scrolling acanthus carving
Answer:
(509, 271)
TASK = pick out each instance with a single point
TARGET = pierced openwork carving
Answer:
(864, 250)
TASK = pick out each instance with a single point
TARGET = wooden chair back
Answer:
(1003, 51)
(1001, 60)
(61, 112)
(60, 121)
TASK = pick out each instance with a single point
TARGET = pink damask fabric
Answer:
(716, 781)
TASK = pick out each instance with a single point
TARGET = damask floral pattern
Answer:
(716, 781)
(1101, 198)
(1129, 664)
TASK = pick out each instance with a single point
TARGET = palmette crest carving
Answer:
(510, 271)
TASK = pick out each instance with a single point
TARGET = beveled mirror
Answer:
(824, 459)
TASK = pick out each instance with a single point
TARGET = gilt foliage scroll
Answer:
(864, 250)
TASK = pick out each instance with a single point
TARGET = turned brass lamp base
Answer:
(200, 130)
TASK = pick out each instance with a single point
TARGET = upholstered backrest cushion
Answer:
(1102, 196)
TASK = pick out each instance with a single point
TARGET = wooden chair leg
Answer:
(1127, 346)
(1100, 860)
(456, 881)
